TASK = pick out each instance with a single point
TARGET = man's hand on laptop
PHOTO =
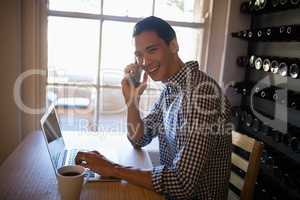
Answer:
(96, 162)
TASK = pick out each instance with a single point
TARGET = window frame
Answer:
(101, 17)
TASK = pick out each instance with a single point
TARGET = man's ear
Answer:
(174, 46)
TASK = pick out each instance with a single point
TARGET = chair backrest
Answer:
(245, 160)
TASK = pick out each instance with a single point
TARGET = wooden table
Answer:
(28, 173)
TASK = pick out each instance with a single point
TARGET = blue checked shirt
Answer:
(191, 120)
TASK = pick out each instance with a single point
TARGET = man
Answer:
(189, 118)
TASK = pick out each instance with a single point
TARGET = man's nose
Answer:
(146, 61)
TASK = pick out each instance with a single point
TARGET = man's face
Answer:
(155, 55)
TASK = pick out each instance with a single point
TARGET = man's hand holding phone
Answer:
(132, 88)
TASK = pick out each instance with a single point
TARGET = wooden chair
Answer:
(245, 160)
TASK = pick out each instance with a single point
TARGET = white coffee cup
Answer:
(70, 181)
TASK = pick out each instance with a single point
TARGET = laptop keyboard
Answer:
(72, 154)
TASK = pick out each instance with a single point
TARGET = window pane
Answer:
(178, 10)
(156, 85)
(132, 8)
(76, 106)
(189, 41)
(73, 48)
(84, 6)
(148, 98)
(112, 110)
(117, 51)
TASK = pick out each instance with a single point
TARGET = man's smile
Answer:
(153, 68)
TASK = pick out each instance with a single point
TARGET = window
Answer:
(90, 43)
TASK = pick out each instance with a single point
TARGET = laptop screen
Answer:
(53, 136)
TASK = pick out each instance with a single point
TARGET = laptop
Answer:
(60, 156)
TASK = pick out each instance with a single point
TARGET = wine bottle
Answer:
(259, 34)
(252, 60)
(250, 34)
(294, 99)
(283, 69)
(295, 2)
(283, 2)
(251, 5)
(243, 88)
(275, 3)
(268, 34)
(274, 66)
(266, 64)
(258, 63)
(294, 70)
(244, 34)
(292, 32)
(282, 29)
(256, 5)
(275, 96)
(241, 34)
(258, 88)
(263, 4)
(268, 93)
(259, 4)
(278, 33)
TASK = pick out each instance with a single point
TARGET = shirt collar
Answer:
(181, 76)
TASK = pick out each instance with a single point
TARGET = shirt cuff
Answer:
(134, 143)
(157, 179)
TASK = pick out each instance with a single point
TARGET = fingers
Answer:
(145, 77)
(125, 81)
(83, 157)
(96, 152)
(131, 68)
(142, 88)
(143, 85)
(79, 158)
(85, 165)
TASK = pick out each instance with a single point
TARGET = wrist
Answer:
(117, 171)
(132, 106)
(133, 102)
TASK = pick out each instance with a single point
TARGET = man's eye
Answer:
(152, 50)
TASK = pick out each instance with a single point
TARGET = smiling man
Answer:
(191, 119)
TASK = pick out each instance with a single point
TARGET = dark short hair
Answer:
(158, 25)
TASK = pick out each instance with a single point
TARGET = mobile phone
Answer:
(135, 78)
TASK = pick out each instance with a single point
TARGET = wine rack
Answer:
(270, 92)
(281, 33)
(277, 65)
(268, 6)
(276, 94)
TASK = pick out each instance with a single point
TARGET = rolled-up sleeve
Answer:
(178, 181)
